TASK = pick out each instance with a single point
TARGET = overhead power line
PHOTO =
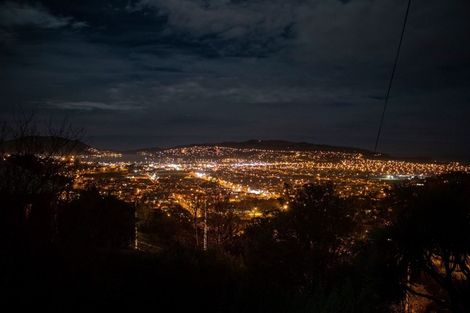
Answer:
(392, 76)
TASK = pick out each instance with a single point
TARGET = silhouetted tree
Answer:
(225, 225)
(299, 248)
(429, 240)
(96, 221)
(33, 181)
(166, 228)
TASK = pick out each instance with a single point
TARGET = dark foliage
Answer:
(69, 251)
(172, 227)
(429, 240)
(95, 221)
(30, 192)
(303, 244)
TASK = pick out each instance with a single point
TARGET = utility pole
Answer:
(205, 225)
(407, 301)
(136, 230)
(195, 223)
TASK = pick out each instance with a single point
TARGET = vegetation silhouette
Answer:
(429, 240)
(64, 249)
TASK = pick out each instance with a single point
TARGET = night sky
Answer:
(167, 72)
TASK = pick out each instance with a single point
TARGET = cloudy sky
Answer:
(165, 72)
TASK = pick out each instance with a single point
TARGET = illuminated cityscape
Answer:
(235, 156)
(184, 176)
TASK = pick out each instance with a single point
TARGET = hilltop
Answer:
(45, 144)
(276, 145)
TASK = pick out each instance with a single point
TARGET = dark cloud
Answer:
(91, 106)
(157, 72)
(13, 14)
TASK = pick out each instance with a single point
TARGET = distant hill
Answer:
(45, 145)
(144, 150)
(287, 145)
(277, 145)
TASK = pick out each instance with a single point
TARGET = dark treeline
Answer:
(68, 250)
